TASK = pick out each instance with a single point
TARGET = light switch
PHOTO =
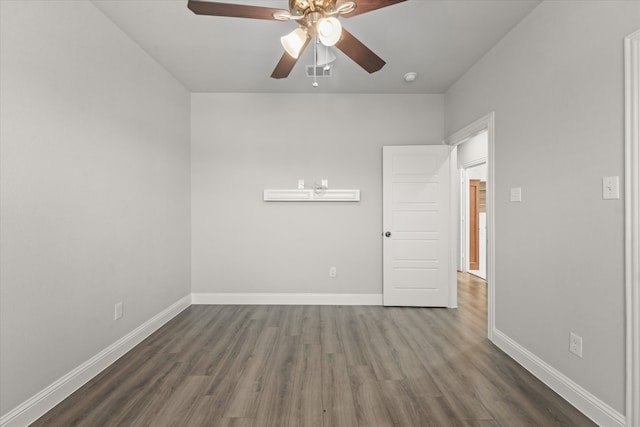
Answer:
(516, 194)
(610, 188)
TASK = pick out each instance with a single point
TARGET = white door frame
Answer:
(632, 226)
(462, 223)
(485, 123)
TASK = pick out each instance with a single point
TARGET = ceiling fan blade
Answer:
(232, 10)
(363, 6)
(287, 62)
(362, 55)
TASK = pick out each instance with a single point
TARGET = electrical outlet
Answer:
(333, 272)
(118, 311)
(575, 344)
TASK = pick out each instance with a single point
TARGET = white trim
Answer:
(587, 403)
(475, 162)
(485, 123)
(453, 227)
(36, 406)
(632, 225)
(462, 223)
(469, 131)
(286, 299)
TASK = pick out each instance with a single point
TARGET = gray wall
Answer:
(556, 85)
(95, 187)
(95, 190)
(244, 143)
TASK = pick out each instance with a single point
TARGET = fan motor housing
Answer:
(302, 7)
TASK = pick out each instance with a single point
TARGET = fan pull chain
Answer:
(315, 63)
(326, 67)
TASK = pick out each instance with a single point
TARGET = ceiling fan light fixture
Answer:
(347, 7)
(294, 41)
(329, 31)
(324, 57)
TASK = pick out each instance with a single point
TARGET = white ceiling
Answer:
(438, 39)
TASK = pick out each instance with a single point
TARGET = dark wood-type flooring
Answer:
(319, 366)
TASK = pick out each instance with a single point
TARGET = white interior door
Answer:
(417, 220)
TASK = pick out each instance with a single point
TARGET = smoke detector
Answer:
(410, 77)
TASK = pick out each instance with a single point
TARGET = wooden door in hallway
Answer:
(474, 224)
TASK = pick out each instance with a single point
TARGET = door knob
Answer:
(388, 234)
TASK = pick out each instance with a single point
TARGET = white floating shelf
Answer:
(310, 195)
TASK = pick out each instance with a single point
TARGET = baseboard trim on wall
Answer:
(594, 408)
(40, 403)
(286, 299)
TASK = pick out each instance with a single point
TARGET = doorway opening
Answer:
(472, 158)
(473, 218)
(476, 249)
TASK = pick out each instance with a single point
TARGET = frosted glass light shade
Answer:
(324, 56)
(329, 31)
(294, 41)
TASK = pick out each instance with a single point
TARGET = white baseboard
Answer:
(39, 404)
(287, 299)
(594, 408)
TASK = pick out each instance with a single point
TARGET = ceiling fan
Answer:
(316, 19)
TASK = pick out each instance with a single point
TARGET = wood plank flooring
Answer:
(319, 366)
